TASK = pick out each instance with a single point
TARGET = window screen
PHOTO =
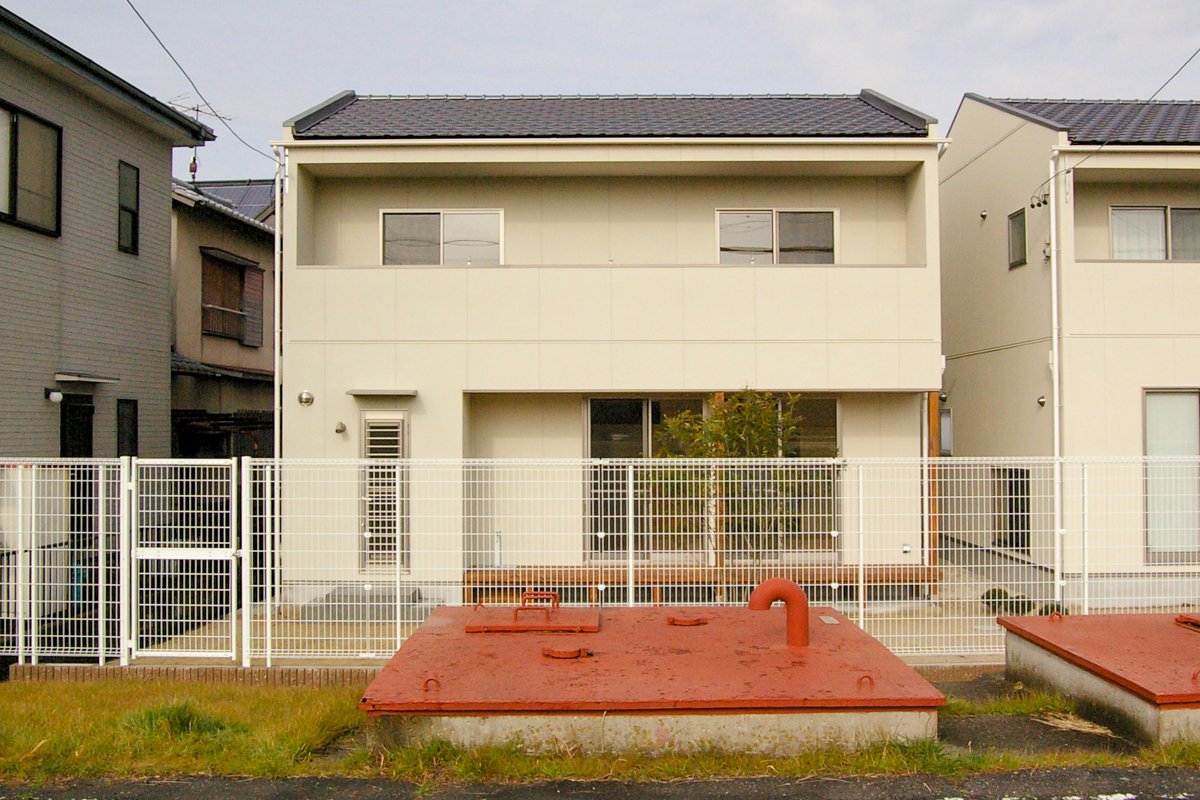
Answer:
(1139, 234)
(412, 239)
(1185, 234)
(805, 237)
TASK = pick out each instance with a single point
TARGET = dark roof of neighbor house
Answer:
(32, 43)
(194, 195)
(250, 197)
(867, 114)
(183, 365)
(1111, 121)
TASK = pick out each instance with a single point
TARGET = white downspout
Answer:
(1056, 378)
(278, 289)
(1055, 321)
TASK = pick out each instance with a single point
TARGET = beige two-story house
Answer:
(85, 253)
(551, 277)
(1071, 242)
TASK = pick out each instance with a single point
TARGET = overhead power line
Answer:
(196, 88)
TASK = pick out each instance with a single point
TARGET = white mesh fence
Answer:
(256, 560)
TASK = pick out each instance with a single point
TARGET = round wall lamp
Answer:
(54, 395)
(305, 398)
(942, 396)
(1042, 401)
(340, 428)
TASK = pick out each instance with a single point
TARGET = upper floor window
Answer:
(1155, 233)
(127, 208)
(1016, 239)
(776, 237)
(457, 237)
(231, 297)
(30, 171)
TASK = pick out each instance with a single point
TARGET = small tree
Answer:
(746, 424)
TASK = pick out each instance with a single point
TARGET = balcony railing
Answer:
(224, 322)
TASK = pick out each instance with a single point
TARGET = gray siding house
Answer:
(85, 253)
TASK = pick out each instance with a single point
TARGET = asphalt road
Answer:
(1057, 784)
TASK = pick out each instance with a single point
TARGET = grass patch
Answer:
(1018, 701)
(128, 729)
(120, 729)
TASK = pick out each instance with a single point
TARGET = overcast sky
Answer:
(262, 61)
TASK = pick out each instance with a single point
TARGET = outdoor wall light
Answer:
(339, 428)
(306, 398)
(54, 395)
(1042, 401)
(983, 214)
(942, 397)
(906, 548)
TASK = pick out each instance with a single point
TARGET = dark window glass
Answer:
(617, 430)
(30, 156)
(412, 238)
(1016, 238)
(127, 427)
(1185, 234)
(127, 214)
(805, 237)
(817, 436)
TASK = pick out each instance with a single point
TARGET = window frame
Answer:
(775, 212)
(1168, 245)
(135, 227)
(441, 212)
(10, 216)
(1160, 557)
(373, 561)
(1023, 258)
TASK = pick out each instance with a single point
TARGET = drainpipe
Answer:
(1056, 377)
(277, 334)
(796, 601)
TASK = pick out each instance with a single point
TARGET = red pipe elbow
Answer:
(796, 601)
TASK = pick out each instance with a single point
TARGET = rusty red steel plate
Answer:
(531, 619)
(1148, 654)
(736, 660)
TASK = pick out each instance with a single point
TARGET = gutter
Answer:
(615, 141)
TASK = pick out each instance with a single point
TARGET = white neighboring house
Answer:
(548, 277)
(1071, 228)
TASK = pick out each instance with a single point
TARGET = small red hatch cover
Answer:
(530, 617)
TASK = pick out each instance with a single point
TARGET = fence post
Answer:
(35, 582)
(101, 560)
(862, 556)
(629, 529)
(134, 535)
(1086, 542)
(399, 572)
(246, 556)
(269, 552)
(1058, 529)
(124, 582)
(22, 585)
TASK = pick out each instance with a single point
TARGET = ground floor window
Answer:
(734, 512)
(1173, 479)
(384, 517)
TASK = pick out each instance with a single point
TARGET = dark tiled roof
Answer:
(202, 197)
(351, 117)
(1118, 121)
(249, 197)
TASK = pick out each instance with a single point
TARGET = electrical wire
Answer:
(211, 110)
(1034, 198)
